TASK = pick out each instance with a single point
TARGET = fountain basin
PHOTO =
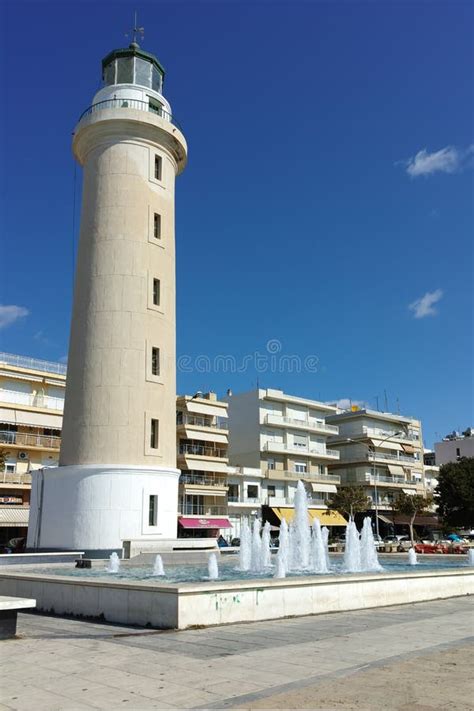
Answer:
(182, 605)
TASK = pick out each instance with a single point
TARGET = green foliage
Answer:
(3, 458)
(412, 504)
(349, 500)
(455, 493)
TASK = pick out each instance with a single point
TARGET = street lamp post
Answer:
(374, 473)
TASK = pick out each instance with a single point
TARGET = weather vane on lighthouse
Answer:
(136, 30)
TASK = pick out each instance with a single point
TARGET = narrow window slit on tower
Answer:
(156, 292)
(157, 226)
(154, 434)
(158, 165)
(155, 361)
(153, 510)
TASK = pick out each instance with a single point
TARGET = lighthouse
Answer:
(117, 479)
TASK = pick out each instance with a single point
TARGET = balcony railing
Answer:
(203, 480)
(300, 449)
(378, 432)
(14, 478)
(125, 103)
(202, 451)
(392, 457)
(311, 423)
(387, 480)
(285, 500)
(26, 439)
(30, 400)
(45, 366)
(290, 474)
(201, 422)
(203, 510)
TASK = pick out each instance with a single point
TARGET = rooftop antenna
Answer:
(377, 402)
(386, 400)
(136, 31)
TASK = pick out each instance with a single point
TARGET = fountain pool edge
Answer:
(183, 605)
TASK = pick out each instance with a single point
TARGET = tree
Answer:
(349, 500)
(455, 493)
(3, 458)
(411, 505)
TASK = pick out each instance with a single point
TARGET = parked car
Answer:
(235, 542)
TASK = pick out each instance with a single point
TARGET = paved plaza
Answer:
(411, 657)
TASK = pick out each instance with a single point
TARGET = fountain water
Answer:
(212, 567)
(412, 559)
(470, 556)
(319, 563)
(114, 563)
(280, 571)
(266, 554)
(256, 549)
(245, 551)
(300, 532)
(368, 551)
(158, 568)
(352, 549)
(325, 537)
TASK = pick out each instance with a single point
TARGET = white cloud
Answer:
(424, 306)
(63, 359)
(345, 403)
(447, 160)
(10, 314)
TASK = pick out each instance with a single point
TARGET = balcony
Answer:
(15, 478)
(203, 510)
(393, 458)
(197, 421)
(389, 481)
(44, 366)
(307, 424)
(30, 400)
(200, 450)
(26, 440)
(251, 501)
(286, 501)
(207, 481)
(124, 103)
(311, 476)
(378, 432)
(297, 449)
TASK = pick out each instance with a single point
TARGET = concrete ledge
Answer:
(9, 607)
(39, 558)
(186, 605)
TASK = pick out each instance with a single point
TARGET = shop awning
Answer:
(203, 490)
(14, 516)
(387, 444)
(326, 517)
(329, 488)
(396, 469)
(409, 448)
(33, 419)
(204, 409)
(201, 465)
(384, 519)
(198, 435)
(203, 522)
(429, 521)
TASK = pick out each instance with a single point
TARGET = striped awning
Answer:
(326, 517)
(14, 516)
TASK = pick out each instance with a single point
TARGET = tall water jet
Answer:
(283, 547)
(245, 551)
(300, 531)
(256, 559)
(280, 570)
(369, 561)
(412, 559)
(352, 549)
(266, 554)
(325, 537)
(318, 549)
(114, 563)
(158, 568)
(470, 556)
(212, 567)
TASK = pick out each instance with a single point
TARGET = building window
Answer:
(233, 492)
(271, 490)
(10, 468)
(158, 167)
(301, 467)
(154, 434)
(155, 361)
(270, 464)
(300, 440)
(156, 292)
(153, 510)
(252, 491)
(157, 225)
(458, 452)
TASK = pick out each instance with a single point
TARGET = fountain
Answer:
(256, 547)
(212, 567)
(280, 571)
(412, 559)
(245, 550)
(114, 563)
(319, 561)
(470, 556)
(369, 561)
(352, 549)
(325, 537)
(300, 532)
(158, 568)
(266, 553)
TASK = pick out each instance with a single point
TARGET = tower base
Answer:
(95, 508)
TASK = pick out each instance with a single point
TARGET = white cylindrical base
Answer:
(95, 508)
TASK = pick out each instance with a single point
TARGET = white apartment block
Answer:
(31, 408)
(285, 438)
(244, 497)
(382, 452)
(202, 456)
(454, 447)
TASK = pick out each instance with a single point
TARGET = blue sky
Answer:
(329, 187)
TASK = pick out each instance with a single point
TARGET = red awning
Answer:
(204, 522)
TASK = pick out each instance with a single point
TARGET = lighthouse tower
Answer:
(117, 479)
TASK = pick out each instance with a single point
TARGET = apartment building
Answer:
(244, 498)
(381, 451)
(455, 446)
(202, 441)
(431, 470)
(31, 407)
(285, 437)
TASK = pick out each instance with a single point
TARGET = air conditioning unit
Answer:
(23, 455)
